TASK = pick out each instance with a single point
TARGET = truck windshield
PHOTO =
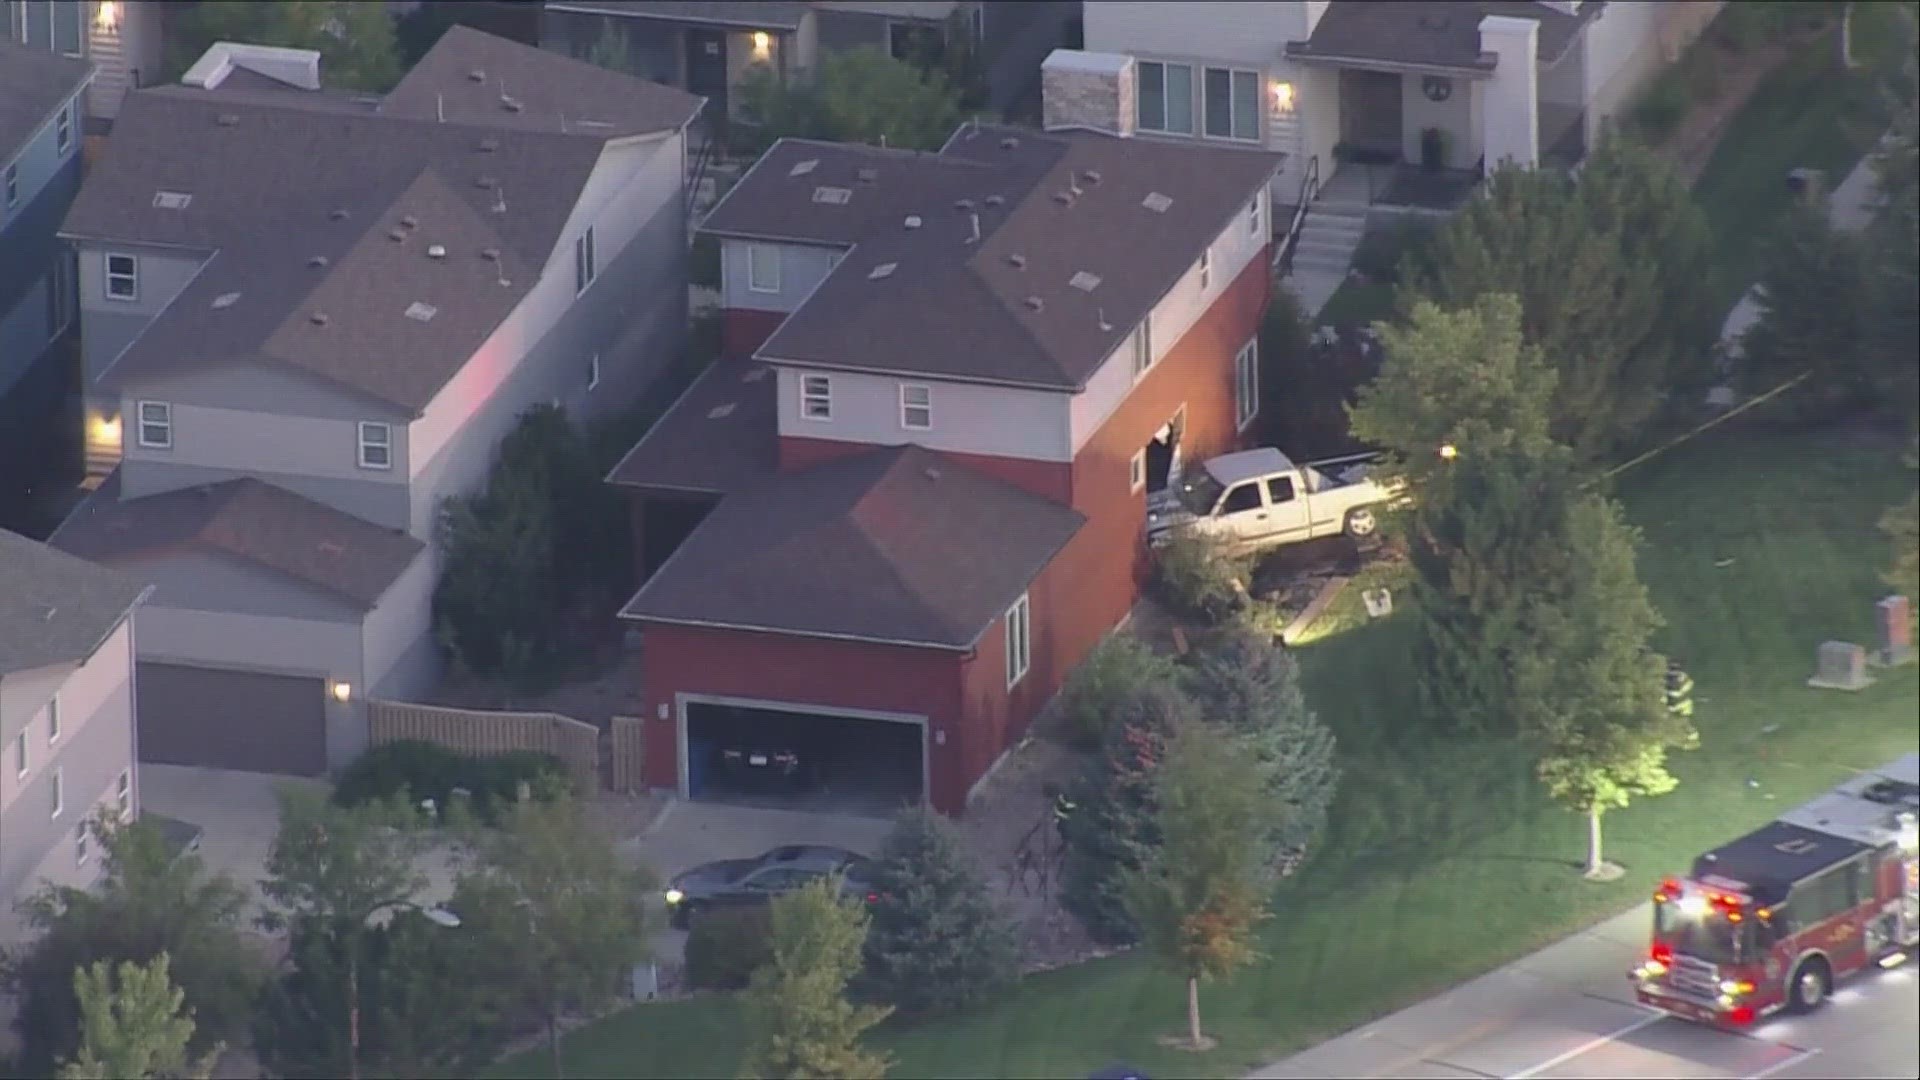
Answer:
(1708, 937)
(1198, 493)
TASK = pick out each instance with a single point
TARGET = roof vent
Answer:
(489, 145)
(227, 119)
(1009, 143)
(408, 221)
(1156, 202)
(420, 312)
(867, 174)
(337, 214)
(1035, 304)
(754, 375)
(722, 411)
(318, 318)
(1064, 198)
(996, 200)
(1018, 262)
(318, 262)
(225, 300)
(396, 233)
(1084, 281)
(485, 182)
(171, 200)
(963, 204)
(930, 473)
(973, 224)
(436, 251)
(1091, 176)
(1101, 314)
(802, 168)
(510, 104)
(476, 75)
(913, 221)
(832, 196)
(331, 547)
(490, 254)
(884, 270)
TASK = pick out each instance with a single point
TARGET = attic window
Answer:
(804, 167)
(884, 270)
(832, 196)
(420, 312)
(1156, 202)
(171, 200)
(1084, 281)
(225, 300)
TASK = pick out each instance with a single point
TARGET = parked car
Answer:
(1257, 499)
(755, 766)
(736, 883)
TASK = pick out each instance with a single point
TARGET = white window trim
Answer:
(132, 276)
(12, 182)
(1142, 357)
(384, 442)
(63, 127)
(1253, 217)
(22, 758)
(80, 844)
(165, 424)
(53, 720)
(1193, 115)
(123, 793)
(593, 371)
(1247, 406)
(1137, 471)
(585, 264)
(823, 395)
(770, 252)
(925, 406)
(1019, 637)
(1206, 268)
(1200, 121)
(59, 792)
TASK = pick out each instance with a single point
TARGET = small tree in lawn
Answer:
(1202, 894)
(1588, 688)
(1814, 317)
(804, 1028)
(133, 1027)
(937, 941)
(855, 95)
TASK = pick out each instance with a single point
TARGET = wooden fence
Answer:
(625, 745)
(479, 733)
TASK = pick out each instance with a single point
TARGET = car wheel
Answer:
(1812, 982)
(1361, 523)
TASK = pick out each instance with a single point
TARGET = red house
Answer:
(883, 529)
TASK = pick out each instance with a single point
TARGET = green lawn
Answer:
(1444, 860)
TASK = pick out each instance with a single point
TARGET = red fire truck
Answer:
(1771, 920)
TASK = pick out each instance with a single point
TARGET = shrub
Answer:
(428, 770)
(726, 947)
(1657, 114)
(1117, 671)
(937, 941)
(1383, 250)
(1193, 575)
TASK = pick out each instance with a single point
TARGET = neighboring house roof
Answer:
(33, 83)
(55, 608)
(1000, 306)
(1434, 33)
(245, 519)
(717, 438)
(295, 197)
(897, 545)
(747, 14)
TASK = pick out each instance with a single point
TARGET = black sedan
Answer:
(733, 883)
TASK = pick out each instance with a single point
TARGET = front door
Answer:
(1370, 114)
(707, 67)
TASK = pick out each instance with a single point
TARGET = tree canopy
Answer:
(804, 1028)
(855, 95)
(132, 1026)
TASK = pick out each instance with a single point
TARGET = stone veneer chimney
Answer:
(1088, 90)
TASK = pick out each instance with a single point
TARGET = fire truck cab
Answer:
(1772, 920)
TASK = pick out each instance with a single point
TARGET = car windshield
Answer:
(1708, 937)
(1198, 493)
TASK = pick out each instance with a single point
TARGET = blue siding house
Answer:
(40, 138)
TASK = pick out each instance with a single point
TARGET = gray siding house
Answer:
(309, 318)
(66, 714)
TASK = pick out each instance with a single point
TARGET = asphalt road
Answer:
(1567, 1012)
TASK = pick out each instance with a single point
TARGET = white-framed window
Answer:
(80, 844)
(63, 129)
(376, 445)
(1165, 98)
(816, 397)
(1019, 640)
(21, 762)
(123, 793)
(1206, 267)
(13, 186)
(1143, 347)
(584, 267)
(123, 277)
(916, 406)
(1232, 104)
(1137, 471)
(593, 371)
(53, 720)
(1253, 217)
(58, 795)
(156, 425)
(1246, 384)
(64, 21)
(763, 268)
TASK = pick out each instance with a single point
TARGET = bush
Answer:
(426, 770)
(1657, 114)
(726, 947)
(937, 941)
(1193, 576)
(1382, 251)
(1117, 671)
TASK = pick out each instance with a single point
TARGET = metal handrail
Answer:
(1309, 191)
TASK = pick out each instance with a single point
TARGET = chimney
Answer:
(1088, 90)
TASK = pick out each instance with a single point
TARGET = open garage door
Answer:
(222, 719)
(772, 754)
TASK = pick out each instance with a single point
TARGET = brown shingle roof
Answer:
(33, 82)
(55, 608)
(718, 438)
(957, 307)
(250, 520)
(1433, 33)
(896, 545)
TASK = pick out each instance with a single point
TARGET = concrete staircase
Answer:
(1323, 254)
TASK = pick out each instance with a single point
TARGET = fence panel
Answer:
(627, 745)
(480, 733)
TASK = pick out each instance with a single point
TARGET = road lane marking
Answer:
(1783, 1065)
(1591, 1044)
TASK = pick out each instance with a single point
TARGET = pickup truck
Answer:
(1258, 499)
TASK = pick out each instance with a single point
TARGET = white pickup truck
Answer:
(1258, 499)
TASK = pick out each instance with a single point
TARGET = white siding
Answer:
(404, 614)
(253, 442)
(161, 274)
(802, 268)
(23, 698)
(968, 418)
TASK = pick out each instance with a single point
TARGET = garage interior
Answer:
(844, 763)
(222, 719)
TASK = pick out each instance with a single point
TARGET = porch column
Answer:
(1510, 107)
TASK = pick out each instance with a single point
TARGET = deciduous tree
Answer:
(854, 95)
(937, 941)
(355, 40)
(804, 1028)
(133, 1027)
(1814, 316)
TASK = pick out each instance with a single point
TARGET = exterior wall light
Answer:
(762, 44)
(106, 17)
(1282, 98)
(342, 692)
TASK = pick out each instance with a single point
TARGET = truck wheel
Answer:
(1812, 982)
(1361, 523)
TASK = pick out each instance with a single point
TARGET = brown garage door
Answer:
(224, 719)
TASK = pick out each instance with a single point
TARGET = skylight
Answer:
(1084, 281)
(420, 312)
(832, 196)
(226, 300)
(884, 270)
(171, 200)
(1156, 202)
(802, 168)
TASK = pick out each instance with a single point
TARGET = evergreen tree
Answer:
(937, 941)
(1902, 526)
(356, 41)
(1813, 316)
(804, 1026)
(132, 1027)
(1893, 287)
(855, 95)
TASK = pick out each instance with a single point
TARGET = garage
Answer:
(224, 719)
(790, 756)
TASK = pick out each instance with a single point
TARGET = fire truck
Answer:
(1770, 921)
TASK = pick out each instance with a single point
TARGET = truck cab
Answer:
(1257, 499)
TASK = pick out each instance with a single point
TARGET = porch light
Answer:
(103, 431)
(1282, 97)
(107, 16)
(342, 692)
(1449, 451)
(762, 44)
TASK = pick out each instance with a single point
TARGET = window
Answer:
(13, 186)
(53, 720)
(1143, 347)
(1821, 898)
(1279, 490)
(763, 268)
(63, 129)
(1019, 640)
(60, 295)
(583, 264)
(80, 844)
(156, 425)
(1233, 104)
(1243, 497)
(1246, 383)
(58, 796)
(1206, 267)
(376, 445)
(816, 397)
(20, 760)
(593, 371)
(66, 27)
(916, 406)
(1253, 217)
(1137, 471)
(123, 793)
(123, 277)
(1166, 98)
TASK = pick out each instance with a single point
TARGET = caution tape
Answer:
(1708, 426)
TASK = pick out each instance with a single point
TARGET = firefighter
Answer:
(1063, 808)
(1679, 691)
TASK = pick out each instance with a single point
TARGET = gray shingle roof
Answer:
(718, 438)
(33, 82)
(895, 545)
(958, 308)
(246, 519)
(55, 608)
(1434, 33)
